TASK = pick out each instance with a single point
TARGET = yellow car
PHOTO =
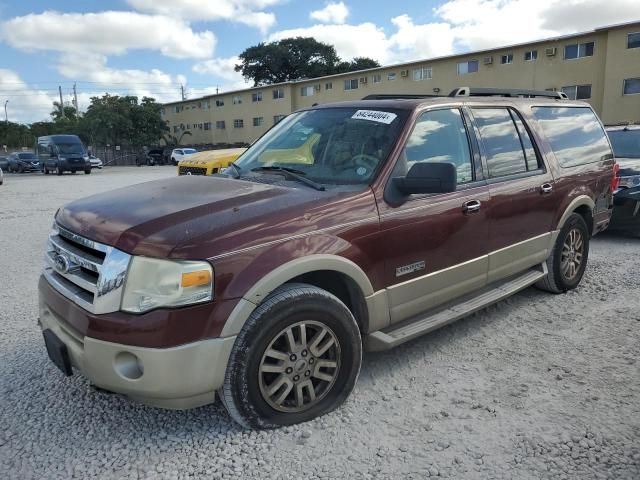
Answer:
(208, 162)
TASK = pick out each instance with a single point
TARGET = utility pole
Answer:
(182, 92)
(75, 98)
(61, 104)
(6, 118)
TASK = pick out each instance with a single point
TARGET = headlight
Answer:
(153, 283)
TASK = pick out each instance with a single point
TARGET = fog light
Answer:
(128, 366)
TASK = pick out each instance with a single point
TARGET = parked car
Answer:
(95, 162)
(625, 141)
(178, 154)
(1, 177)
(263, 285)
(208, 162)
(63, 153)
(23, 162)
(154, 156)
(4, 163)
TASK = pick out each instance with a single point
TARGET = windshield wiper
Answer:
(291, 173)
(237, 169)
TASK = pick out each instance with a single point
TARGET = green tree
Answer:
(293, 59)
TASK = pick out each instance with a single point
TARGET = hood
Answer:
(193, 216)
(628, 166)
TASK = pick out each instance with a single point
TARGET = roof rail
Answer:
(506, 92)
(394, 96)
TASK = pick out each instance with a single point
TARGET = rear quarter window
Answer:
(575, 135)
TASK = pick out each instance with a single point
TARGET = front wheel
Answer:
(568, 260)
(87, 171)
(58, 170)
(297, 357)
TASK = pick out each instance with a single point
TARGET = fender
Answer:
(579, 201)
(290, 270)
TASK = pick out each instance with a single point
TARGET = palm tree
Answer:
(171, 140)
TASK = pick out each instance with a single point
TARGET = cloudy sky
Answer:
(151, 47)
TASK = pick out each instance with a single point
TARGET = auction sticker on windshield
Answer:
(375, 116)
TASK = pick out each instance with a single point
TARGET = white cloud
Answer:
(220, 67)
(242, 11)
(364, 40)
(332, 13)
(411, 42)
(107, 33)
(25, 104)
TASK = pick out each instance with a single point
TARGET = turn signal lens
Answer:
(195, 279)
(615, 181)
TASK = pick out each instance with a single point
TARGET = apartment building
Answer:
(601, 67)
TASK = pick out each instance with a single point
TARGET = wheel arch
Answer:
(584, 206)
(338, 275)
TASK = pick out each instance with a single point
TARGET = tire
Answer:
(87, 171)
(59, 171)
(558, 279)
(173, 160)
(20, 169)
(244, 392)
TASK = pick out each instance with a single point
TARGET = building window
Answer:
(258, 121)
(238, 123)
(277, 118)
(328, 86)
(531, 56)
(376, 78)
(256, 97)
(578, 50)
(422, 73)
(391, 76)
(220, 125)
(577, 92)
(176, 109)
(206, 105)
(220, 103)
(278, 93)
(470, 66)
(506, 59)
(351, 84)
(207, 125)
(633, 40)
(307, 91)
(236, 100)
(175, 128)
(631, 86)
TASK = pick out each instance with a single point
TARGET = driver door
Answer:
(436, 245)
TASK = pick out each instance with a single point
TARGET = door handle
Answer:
(472, 206)
(546, 188)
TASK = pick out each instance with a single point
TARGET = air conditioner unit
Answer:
(404, 73)
(551, 52)
(363, 79)
(487, 60)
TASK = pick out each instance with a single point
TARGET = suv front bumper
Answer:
(180, 377)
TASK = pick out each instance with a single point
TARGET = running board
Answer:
(408, 330)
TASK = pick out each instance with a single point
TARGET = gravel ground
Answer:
(538, 386)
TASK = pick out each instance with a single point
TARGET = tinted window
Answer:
(26, 156)
(574, 133)
(533, 162)
(625, 143)
(501, 141)
(440, 136)
(631, 86)
(633, 40)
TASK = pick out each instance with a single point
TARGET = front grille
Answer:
(192, 171)
(89, 273)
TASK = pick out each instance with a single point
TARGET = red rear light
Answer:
(615, 181)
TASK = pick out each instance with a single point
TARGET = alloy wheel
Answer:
(572, 254)
(299, 366)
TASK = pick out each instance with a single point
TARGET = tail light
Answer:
(615, 181)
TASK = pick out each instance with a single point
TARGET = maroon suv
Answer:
(347, 225)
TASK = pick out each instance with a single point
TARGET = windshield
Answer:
(188, 151)
(68, 148)
(626, 143)
(329, 145)
(26, 156)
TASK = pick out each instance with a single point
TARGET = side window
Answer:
(533, 162)
(440, 136)
(501, 141)
(43, 151)
(574, 133)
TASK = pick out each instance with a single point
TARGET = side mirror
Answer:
(428, 177)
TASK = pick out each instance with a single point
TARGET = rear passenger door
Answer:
(523, 201)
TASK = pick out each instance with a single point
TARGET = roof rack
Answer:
(506, 92)
(393, 96)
